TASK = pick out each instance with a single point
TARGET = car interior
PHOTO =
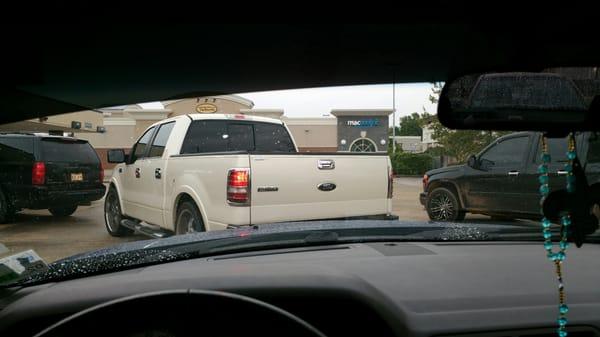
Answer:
(382, 288)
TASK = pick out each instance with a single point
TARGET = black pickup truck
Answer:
(502, 180)
(47, 172)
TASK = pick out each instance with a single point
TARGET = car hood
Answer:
(445, 170)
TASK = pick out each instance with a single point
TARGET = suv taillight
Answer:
(38, 173)
(238, 186)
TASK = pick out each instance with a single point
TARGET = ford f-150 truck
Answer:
(208, 172)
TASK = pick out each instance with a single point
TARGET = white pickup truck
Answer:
(208, 172)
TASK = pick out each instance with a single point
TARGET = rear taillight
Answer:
(238, 186)
(38, 173)
(390, 191)
(425, 182)
(101, 173)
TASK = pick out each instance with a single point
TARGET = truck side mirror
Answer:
(472, 162)
(116, 156)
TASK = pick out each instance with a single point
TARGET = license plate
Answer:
(76, 176)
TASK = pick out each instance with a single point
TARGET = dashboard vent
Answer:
(549, 332)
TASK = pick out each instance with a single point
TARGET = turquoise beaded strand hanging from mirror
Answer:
(557, 257)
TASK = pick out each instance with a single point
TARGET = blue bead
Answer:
(543, 179)
(565, 220)
(570, 179)
(544, 189)
(568, 167)
(542, 169)
(546, 158)
(560, 256)
(563, 245)
(563, 308)
(562, 333)
(546, 223)
(547, 235)
(570, 188)
(548, 245)
(571, 155)
(551, 256)
(562, 321)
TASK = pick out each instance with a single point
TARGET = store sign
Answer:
(206, 108)
(363, 123)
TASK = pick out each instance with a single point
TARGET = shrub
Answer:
(411, 163)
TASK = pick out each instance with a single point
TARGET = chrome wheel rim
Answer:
(112, 212)
(185, 222)
(441, 207)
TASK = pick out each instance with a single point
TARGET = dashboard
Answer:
(493, 289)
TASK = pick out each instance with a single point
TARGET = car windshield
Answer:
(151, 181)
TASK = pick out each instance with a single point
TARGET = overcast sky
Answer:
(319, 101)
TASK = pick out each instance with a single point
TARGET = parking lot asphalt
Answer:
(54, 238)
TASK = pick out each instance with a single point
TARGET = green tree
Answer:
(457, 143)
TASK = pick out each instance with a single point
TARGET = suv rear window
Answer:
(67, 150)
(16, 149)
(222, 136)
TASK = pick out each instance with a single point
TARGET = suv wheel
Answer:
(188, 218)
(7, 213)
(113, 215)
(442, 205)
(63, 211)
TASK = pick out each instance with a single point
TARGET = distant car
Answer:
(501, 181)
(47, 172)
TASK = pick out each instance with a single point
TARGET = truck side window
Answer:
(139, 148)
(508, 153)
(272, 138)
(593, 155)
(557, 147)
(16, 149)
(160, 141)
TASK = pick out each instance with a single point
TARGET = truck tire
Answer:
(189, 219)
(442, 205)
(113, 215)
(63, 210)
(7, 213)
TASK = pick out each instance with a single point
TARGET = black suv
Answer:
(47, 172)
(502, 180)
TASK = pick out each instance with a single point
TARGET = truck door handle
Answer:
(562, 173)
(157, 173)
(137, 172)
(513, 173)
(325, 164)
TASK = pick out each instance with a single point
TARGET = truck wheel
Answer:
(7, 213)
(442, 205)
(63, 211)
(189, 219)
(113, 215)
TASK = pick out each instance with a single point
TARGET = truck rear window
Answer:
(59, 150)
(224, 136)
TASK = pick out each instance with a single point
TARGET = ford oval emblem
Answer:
(326, 187)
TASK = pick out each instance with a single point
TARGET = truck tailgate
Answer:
(289, 187)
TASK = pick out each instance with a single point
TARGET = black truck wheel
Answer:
(113, 215)
(442, 205)
(7, 213)
(63, 210)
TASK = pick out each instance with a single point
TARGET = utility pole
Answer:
(394, 114)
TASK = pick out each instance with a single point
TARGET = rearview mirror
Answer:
(116, 156)
(521, 102)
